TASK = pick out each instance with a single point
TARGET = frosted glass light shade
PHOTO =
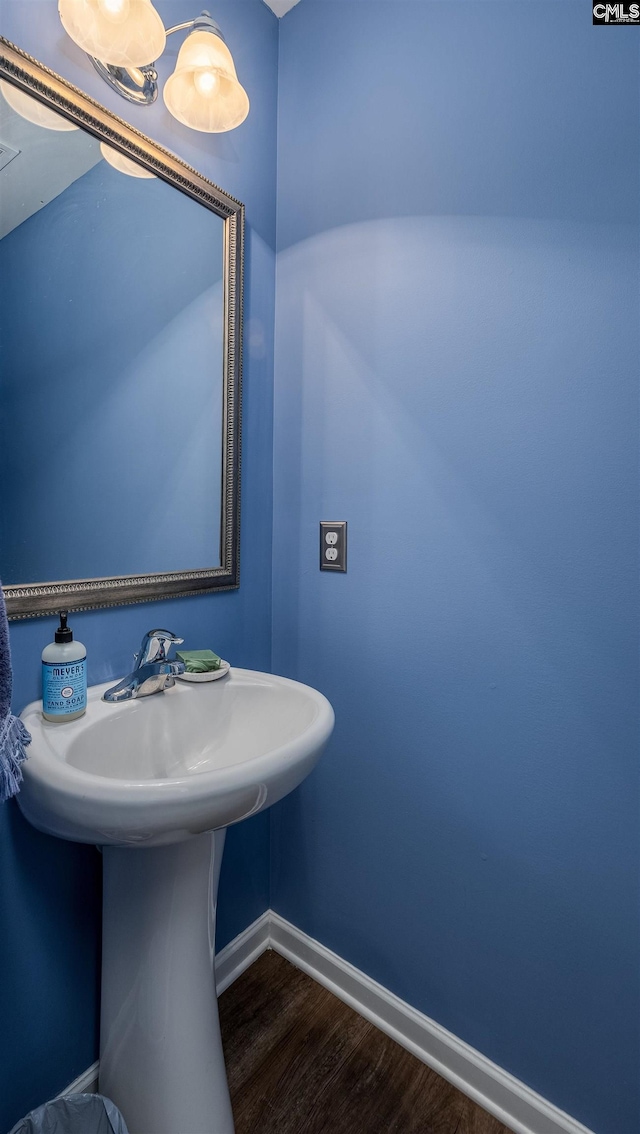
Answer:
(204, 92)
(34, 111)
(122, 163)
(125, 33)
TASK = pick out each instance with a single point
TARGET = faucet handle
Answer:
(155, 646)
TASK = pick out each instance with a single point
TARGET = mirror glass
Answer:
(121, 283)
(112, 343)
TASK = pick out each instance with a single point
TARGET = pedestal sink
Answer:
(155, 782)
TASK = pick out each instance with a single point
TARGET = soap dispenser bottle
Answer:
(64, 676)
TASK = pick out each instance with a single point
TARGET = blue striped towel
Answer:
(13, 735)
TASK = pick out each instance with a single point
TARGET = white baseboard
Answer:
(504, 1096)
(85, 1084)
(509, 1100)
(242, 951)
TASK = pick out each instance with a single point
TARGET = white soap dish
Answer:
(213, 676)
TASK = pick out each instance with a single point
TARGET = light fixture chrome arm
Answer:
(140, 84)
(203, 22)
(136, 84)
(182, 27)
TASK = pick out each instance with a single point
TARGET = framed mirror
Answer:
(121, 272)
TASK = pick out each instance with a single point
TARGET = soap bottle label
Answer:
(64, 687)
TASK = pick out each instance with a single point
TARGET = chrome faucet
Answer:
(153, 671)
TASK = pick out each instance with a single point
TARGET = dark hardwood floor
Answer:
(299, 1061)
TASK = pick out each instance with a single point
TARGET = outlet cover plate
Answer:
(333, 545)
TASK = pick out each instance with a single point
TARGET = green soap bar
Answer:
(199, 661)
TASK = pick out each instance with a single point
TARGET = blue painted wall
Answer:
(107, 424)
(457, 376)
(49, 917)
(457, 355)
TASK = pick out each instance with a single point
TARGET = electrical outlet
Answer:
(333, 545)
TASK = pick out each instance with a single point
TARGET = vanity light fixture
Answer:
(34, 111)
(123, 38)
(125, 33)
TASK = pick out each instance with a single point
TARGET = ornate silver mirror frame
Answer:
(34, 599)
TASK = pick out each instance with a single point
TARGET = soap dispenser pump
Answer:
(64, 676)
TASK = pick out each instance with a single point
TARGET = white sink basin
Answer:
(161, 769)
(155, 781)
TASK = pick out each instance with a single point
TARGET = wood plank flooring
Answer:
(299, 1061)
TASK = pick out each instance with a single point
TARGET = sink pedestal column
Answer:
(160, 1051)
